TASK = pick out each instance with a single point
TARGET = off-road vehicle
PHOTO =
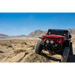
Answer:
(56, 42)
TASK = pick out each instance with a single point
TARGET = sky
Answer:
(13, 24)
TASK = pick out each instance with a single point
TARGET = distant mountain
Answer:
(34, 34)
(37, 33)
(21, 36)
(3, 36)
(72, 31)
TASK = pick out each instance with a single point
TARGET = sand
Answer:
(24, 51)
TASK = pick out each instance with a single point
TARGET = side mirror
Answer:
(70, 36)
(40, 37)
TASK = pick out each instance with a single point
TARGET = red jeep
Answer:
(56, 42)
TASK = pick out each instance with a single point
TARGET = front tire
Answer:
(38, 47)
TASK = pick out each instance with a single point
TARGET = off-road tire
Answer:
(38, 47)
(71, 50)
(65, 56)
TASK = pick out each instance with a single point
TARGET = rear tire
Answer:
(38, 47)
(71, 50)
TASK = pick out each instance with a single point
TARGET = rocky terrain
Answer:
(22, 50)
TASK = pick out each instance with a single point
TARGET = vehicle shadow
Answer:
(51, 58)
(71, 57)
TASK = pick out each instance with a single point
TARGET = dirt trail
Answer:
(23, 51)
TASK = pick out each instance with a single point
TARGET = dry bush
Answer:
(1, 52)
(24, 43)
(12, 48)
(20, 50)
(3, 44)
(10, 41)
(33, 46)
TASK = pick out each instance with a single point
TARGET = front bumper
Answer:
(51, 46)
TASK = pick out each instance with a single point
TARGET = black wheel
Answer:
(71, 50)
(65, 56)
(38, 47)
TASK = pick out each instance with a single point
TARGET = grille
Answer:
(54, 39)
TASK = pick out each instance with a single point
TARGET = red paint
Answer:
(53, 37)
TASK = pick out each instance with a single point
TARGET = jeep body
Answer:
(54, 41)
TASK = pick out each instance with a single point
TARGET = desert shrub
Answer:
(1, 52)
(33, 46)
(4, 44)
(10, 46)
(20, 50)
(24, 43)
(10, 41)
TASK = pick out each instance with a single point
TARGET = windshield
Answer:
(54, 32)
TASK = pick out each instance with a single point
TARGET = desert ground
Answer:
(24, 51)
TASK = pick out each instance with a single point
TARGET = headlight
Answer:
(47, 41)
(43, 37)
(51, 41)
(59, 39)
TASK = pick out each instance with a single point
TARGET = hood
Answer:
(53, 36)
